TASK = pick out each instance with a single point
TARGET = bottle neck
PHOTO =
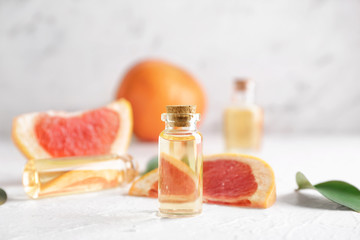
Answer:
(130, 168)
(243, 96)
(172, 127)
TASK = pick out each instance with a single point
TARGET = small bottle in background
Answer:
(180, 163)
(69, 175)
(243, 120)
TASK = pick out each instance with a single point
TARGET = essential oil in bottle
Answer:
(180, 163)
(243, 120)
(68, 175)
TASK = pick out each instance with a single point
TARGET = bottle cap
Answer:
(243, 84)
(180, 115)
(181, 109)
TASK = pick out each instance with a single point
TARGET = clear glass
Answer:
(243, 123)
(59, 176)
(180, 168)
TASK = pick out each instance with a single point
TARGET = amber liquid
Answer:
(180, 174)
(53, 177)
(243, 128)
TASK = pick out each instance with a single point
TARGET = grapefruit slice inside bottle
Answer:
(80, 181)
(177, 181)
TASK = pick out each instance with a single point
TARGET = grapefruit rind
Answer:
(122, 141)
(24, 136)
(142, 186)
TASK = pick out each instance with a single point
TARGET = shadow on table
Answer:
(310, 201)
(10, 183)
(18, 198)
(14, 190)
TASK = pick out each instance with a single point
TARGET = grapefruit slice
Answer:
(179, 186)
(228, 179)
(80, 181)
(62, 134)
(239, 180)
(177, 181)
(146, 185)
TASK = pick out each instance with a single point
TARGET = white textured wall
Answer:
(304, 55)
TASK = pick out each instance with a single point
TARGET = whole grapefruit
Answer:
(149, 86)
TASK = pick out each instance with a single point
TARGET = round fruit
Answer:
(228, 179)
(61, 134)
(150, 86)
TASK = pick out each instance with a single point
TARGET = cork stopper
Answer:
(180, 114)
(242, 84)
(181, 109)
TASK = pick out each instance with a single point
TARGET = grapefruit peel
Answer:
(146, 185)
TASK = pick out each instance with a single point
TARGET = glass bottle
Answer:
(243, 120)
(68, 175)
(180, 163)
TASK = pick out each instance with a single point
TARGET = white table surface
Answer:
(112, 214)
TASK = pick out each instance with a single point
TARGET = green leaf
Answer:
(302, 181)
(3, 196)
(151, 165)
(341, 192)
(337, 191)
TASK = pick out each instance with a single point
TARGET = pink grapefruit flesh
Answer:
(91, 133)
(228, 179)
(63, 134)
(175, 181)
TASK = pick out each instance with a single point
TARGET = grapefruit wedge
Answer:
(239, 180)
(177, 181)
(228, 179)
(80, 181)
(63, 134)
(146, 185)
